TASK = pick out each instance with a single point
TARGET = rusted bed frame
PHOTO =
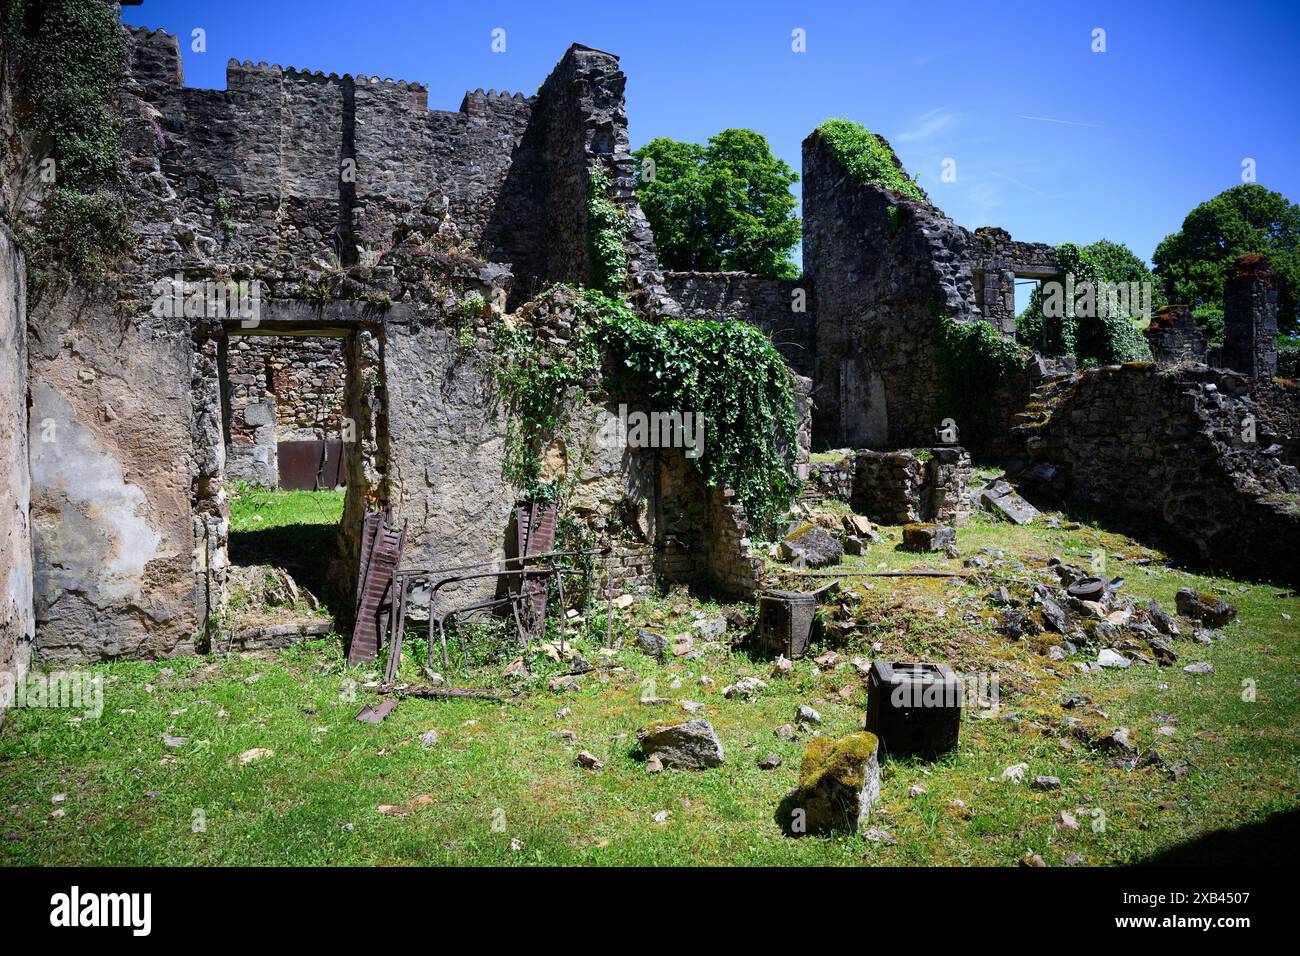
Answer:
(403, 579)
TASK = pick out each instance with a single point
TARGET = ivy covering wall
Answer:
(729, 372)
(66, 58)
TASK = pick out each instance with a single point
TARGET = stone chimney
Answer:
(1250, 317)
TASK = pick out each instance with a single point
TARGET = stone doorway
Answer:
(276, 560)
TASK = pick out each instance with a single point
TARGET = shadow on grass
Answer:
(1274, 841)
(304, 550)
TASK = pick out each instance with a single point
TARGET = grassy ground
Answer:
(293, 530)
(502, 788)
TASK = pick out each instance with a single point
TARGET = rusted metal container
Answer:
(915, 709)
(785, 622)
(310, 465)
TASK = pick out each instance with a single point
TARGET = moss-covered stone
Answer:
(843, 759)
(839, 780)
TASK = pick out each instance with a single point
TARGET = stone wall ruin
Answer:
(400, 237)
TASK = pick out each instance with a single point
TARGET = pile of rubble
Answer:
(818, 539)
(1077, 614)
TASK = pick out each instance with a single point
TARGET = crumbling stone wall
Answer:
(997, 261)
(1174, 337)
(1250, 298)
(1168, 449)
(904, 486)
(352, 207)
(304, 375)
(881, 279)
(780, 307)
(17, 624)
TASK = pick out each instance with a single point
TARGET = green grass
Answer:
(498, 773)
(254, 508)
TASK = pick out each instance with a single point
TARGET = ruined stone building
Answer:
(369, 220)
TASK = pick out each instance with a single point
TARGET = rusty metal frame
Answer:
(402, 579)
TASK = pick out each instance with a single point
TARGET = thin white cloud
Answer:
(1061, 122)
(926, 125)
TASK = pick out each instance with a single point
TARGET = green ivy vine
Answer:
(541, 386)
(727, 371)
(975, 359)
(606, 230)
(67, 58)
(1093, 339)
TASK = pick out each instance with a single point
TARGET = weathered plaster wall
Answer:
(110, 450)
(17, 623)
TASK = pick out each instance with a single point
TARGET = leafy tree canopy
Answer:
(1193, 262)
(1092, 334)
(721, 207)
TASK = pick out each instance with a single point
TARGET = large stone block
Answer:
(839, 781)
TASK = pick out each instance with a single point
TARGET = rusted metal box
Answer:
(311, 465)
(915, 709)
(785, 621)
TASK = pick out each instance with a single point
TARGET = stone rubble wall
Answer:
(1165, 448)
(1174, 338)
(900, 487)
(274, 389)
(1250, 303)
(880, 281)
(766, 304)
(17, 622)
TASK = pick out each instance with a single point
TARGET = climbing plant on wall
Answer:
(606, 229)
(975, 359)
(67, 58)
(540, 386)
(727, 371)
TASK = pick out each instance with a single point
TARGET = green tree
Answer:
(1193, 262)
(724, 206)
(1090, 335)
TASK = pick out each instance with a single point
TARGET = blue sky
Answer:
(1051, 141)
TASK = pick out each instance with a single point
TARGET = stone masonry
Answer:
(401, 237)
